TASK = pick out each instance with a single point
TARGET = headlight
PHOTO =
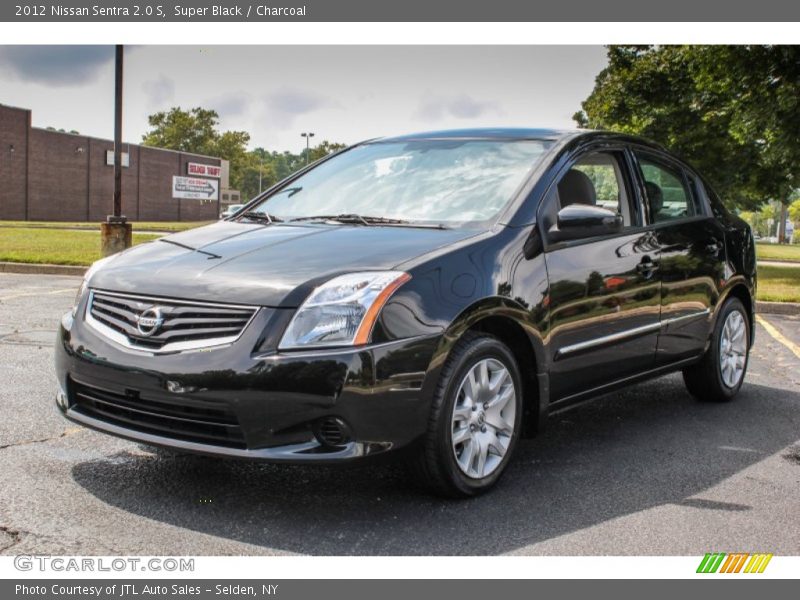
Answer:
(85, 283)
(343, 311)
(79, 297)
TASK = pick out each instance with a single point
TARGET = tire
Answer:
(707, 380)
(489, 432)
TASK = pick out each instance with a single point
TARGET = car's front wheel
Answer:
(719, 375)
(475, 418)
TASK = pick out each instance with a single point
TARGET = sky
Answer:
(341, 93)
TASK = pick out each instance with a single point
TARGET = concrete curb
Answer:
(34, 269)
(778, 308)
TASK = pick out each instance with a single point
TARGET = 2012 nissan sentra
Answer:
(433, 295)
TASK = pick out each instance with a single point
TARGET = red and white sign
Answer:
(201, 170)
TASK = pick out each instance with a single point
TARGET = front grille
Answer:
(180, 325)
(204, 422)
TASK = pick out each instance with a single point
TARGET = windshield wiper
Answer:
(263, 217)
(367, 220)
(346, 218)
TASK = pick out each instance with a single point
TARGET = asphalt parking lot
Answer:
(645, 471)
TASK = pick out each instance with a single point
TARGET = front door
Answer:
(604, 291)
(692, 256)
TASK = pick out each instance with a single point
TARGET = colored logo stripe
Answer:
(733, 563)
(711, 562)
(758, 563)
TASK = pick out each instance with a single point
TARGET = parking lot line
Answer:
(778, 335)
(61, 291)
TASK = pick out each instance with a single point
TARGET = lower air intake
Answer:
(332, 431)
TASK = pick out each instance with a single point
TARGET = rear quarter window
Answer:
(717, 207)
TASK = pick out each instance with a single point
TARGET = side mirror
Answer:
(576, 221)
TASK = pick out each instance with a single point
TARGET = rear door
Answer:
(691, 251)
(603, 291)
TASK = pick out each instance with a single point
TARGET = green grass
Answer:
(168, 226)
(786, 252)
(779, 284)
(54, 246)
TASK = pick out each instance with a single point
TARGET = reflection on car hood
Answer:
(266, 265)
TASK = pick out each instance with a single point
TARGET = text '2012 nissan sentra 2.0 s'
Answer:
(437, 294)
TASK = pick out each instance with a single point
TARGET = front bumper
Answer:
(237, 402)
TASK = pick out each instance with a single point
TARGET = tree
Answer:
(324, 149)
(760, 88)
(196, 131)
(732, 111)
(193, 130)
(794, 211)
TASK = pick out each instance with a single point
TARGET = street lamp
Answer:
(308, 137)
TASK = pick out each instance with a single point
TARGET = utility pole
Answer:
(308, 137)
(118, 133)
(115, 233)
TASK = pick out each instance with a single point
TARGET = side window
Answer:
(668, 195)
(596, 179)
(717, 207)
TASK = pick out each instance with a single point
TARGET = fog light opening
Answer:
(332, 431)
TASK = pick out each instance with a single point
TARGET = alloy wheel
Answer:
(733, 349)
(483, 418)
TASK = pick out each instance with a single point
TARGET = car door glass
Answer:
(668, 196)
(607, 190)
(595, 179)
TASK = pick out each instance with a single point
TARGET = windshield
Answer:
(449, 182)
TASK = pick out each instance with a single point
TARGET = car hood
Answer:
(263, 265)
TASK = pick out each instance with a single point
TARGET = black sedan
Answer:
(433, 295)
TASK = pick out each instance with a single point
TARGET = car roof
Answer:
(504, 133)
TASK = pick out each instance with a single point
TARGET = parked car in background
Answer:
(230, 211)
(434, 296)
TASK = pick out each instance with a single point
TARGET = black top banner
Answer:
(407, 10)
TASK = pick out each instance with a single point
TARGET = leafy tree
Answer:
(232, 146)
(323, 149)
(732, 111)
(195, 131)
(794, 211)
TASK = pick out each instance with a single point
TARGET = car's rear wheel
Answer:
(475, 419)
(719, 375)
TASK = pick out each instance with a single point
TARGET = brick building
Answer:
(47, 175)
